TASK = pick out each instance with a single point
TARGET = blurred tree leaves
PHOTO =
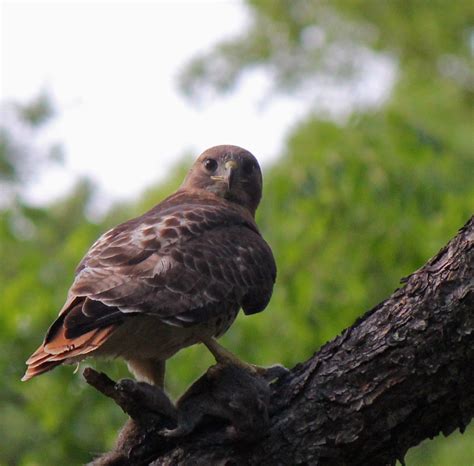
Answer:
(352, 205)
(21, 158)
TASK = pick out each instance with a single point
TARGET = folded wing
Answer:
(182, 263)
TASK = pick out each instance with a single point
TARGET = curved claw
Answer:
(271, 372)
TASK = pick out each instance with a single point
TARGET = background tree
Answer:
(359, 198)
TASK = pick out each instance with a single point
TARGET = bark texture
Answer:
(402, 373)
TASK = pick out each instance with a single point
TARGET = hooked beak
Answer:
(229, 176)
(230, 167)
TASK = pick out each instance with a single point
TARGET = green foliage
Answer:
(20, 157)
(348, 209)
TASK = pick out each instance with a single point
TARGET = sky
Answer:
(111, 69)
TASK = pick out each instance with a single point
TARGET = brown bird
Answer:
(173, 277)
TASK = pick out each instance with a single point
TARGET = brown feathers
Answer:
(189, 263)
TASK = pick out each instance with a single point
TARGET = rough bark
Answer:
(402, 373)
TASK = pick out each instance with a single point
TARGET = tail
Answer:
(58, 347)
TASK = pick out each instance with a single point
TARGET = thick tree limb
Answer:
(402, 373)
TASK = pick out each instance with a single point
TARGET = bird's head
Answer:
(229, 172)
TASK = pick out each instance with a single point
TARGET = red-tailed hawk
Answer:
(173, 277)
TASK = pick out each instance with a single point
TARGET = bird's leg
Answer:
(225, 357)
(148, 370)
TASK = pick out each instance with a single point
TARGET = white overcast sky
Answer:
(111, 68)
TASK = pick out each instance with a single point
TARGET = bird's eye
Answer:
(210, 165)
(248, 166)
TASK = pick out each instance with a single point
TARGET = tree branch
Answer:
(402, 373)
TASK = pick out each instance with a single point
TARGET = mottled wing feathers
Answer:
(227, 262)
(184, 261)
(222, 267)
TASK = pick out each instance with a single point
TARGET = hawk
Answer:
(173, 277)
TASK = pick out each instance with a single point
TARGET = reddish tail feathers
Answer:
(58, 348)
